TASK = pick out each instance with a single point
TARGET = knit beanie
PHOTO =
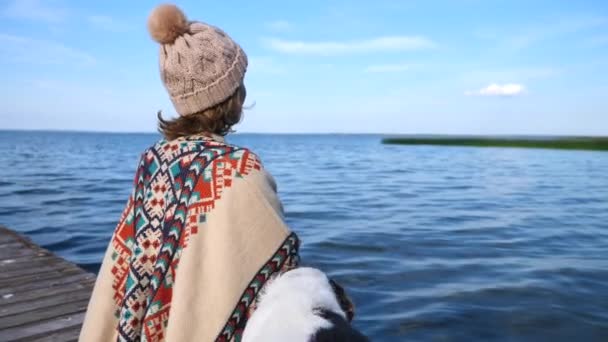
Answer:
(200, 65)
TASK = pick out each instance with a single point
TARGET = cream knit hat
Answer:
(200, 65)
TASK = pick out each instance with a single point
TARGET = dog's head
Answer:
(302, 305)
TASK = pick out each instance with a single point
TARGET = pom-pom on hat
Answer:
(166, 23)
(200, 65)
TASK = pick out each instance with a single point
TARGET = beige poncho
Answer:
(200, 236)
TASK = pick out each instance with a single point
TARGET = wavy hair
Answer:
(218, 119)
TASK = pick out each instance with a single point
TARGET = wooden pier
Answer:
(42, 296)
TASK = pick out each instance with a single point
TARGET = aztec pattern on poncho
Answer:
(177, 183)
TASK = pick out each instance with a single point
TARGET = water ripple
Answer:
(432, 243)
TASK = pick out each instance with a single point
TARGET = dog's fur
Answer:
(300, 306)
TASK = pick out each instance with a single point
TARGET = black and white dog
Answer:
(302, 305)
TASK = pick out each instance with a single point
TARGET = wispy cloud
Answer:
(265, 65)
(552, 30)
(34, 10)
(61, 86)
(106, 23)
(18, 49)
(598, 41)
(327, 48)
(505, 90)
(279, 25)
(381, 68)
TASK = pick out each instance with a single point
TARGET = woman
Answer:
(202, 231)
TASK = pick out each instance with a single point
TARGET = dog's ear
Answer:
(339, 331)
(345, 302)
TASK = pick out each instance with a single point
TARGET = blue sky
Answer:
(410, 66)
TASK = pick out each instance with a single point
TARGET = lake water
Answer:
(432, 243)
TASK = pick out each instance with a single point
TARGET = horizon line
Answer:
(311, 133)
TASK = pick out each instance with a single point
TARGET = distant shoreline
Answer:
(561, 143)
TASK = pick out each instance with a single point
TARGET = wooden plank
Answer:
(41, 315)
(9, 236)
(37, 329)
(24, 260)
(47, 285)
(6, 237)
(41, 277)
(18, 253)
(9, 265)
(43, 303)
(33, 269)
(39, 294)
(11, 244)
(65, 335)
(42, 297)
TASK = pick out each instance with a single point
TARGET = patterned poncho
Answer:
(201, 234)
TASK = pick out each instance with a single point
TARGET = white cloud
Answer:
(326, 48)
(509, 89)
(18, 49)
(106, 23)
(381, 68)
(34, 10)
(279, 25)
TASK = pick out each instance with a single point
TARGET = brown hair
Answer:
(218, 119)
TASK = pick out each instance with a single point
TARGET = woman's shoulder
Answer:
(209, 148)
(240, 159)
(209, 161)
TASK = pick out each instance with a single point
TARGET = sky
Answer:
(410, 66)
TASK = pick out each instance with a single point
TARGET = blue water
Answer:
(433, 243)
